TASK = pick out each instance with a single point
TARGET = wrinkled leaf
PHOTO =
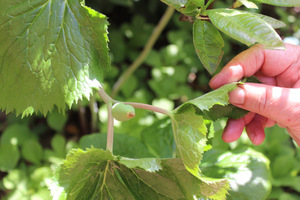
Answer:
(245, 27)
(208, 43)
(287, 3)
(52, 54)
(214, 105)
(191, 122)
(190, 137)
(97, 174)
(246, 170)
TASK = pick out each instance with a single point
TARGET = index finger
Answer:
(268, 62)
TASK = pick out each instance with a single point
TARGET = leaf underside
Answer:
(52, 53)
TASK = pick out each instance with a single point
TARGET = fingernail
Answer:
(237, 96)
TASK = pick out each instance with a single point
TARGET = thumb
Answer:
(279, 104)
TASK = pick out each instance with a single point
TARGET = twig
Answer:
(143, 55)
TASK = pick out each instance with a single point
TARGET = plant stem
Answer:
(143, 55)
(208, 3)
(94, 113)
(110, 128)
(82, 118)
(148, 107)
(104, 96)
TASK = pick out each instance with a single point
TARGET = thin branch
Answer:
(148, 107)
(110, 128)
(143, 55)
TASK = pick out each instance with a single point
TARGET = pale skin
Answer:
(275, 100)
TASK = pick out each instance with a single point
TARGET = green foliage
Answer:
(149, 162)
(52, 54)
(208, 44)
(245, 27)
(247, 172)
(291, 3)
(97, 174)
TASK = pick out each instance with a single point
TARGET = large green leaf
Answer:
(97, 174)
(52, 53)
(191, 124)
(245, 27)
(190, 137)
(208, 43)
(287, 3)
(247, 171)
(159, 139)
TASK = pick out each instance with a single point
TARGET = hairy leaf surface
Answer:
(97, 174)
(208, 44)
(191, 121)
(52, 53)
(245, 27)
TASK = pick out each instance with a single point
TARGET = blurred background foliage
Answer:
(31, 148)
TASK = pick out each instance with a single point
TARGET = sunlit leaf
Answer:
(245, 27)
(97, 174)
(247, 172)
(53, 53)
(287, 3)
(191, 120)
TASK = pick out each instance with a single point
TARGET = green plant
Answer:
(66, 58)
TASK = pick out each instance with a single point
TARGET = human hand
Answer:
(275, 100)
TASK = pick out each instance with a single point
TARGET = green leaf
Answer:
(191, 122)
(52, 53)
(58, 144)
(97, 174)
(270, 20)
(190, 137)
(245, 27)
(208, 43)
(56, 120)
(287, 3)
(177, 4)
(159, 139)
(247, 172)
(17, 134)
(32, 151)
(214, 105)
(247, 4)
(124, 145)
(189, 9)
(9, 157)
(198, 3)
